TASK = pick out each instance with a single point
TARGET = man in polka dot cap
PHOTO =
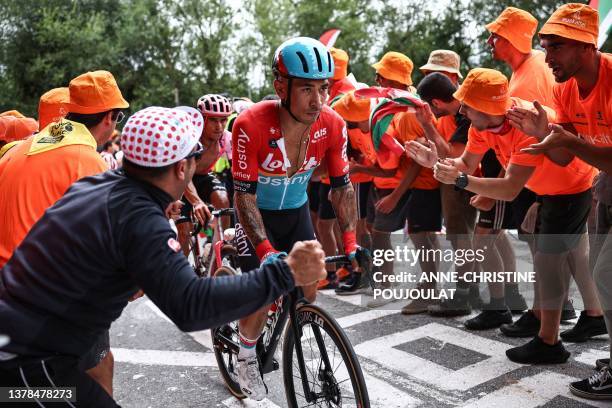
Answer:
(159, 137)
(108, 236)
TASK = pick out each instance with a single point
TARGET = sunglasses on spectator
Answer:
(197, 154)
(120, 116)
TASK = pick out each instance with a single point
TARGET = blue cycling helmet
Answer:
(303, 57)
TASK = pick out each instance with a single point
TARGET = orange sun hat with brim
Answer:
(575, 21)
(353, 109)
(95, 92)
(485, 90)
(52, 106)
(13, 128)
(517, 26)
(14, 113)
(443, 60)
(396, 67)
(341, 60)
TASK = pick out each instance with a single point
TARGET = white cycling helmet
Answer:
(240, 105)
(215, 105)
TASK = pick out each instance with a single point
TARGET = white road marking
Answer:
(589, 356)
(356, 300)
(357, 318)
(248, 403)
(532, 392)
(164, 357)
(383, 352)
(447, 397)
(203, 336)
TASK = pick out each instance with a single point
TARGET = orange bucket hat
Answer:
(95, 92)
(14, 113)
(13, 128)
(485, 90)
(352, 109)
(341, 60)
(52, 106)
(517, 26)
(396, 67)
(575, 21)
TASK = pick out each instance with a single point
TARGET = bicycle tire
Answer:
(309, 315)
(226, 359)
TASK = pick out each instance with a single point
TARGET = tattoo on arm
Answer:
(345, 206)
(250, 217)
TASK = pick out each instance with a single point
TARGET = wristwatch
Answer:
(461, 181)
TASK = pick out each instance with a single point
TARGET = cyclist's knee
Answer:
(219, 199)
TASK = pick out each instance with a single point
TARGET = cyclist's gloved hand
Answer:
(267, 254)
(273, 256)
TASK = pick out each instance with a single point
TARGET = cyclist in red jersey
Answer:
(276, 147)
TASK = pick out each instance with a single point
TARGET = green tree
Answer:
(416, 31)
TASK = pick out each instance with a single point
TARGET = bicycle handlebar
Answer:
(363, 258)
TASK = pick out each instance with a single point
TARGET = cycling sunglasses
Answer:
(197, 154)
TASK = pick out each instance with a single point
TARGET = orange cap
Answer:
(341, 60)
(485, 90)
(52, 106)
(517, 26)
(574, 21)
(95, 92)
(396, 67)
(13, 113)
(13, 128)
(352, 109)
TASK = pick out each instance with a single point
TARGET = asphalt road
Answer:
(416, 361)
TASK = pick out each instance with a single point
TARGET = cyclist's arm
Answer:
(166, 277)
(250, 217)
(342, 195)
(191, 194)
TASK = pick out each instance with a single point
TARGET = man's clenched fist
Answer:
(307, 262)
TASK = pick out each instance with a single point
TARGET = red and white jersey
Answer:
(260, 158)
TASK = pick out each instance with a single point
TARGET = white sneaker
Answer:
(250, 380)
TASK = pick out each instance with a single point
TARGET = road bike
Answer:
(320, 367)
(210, 246)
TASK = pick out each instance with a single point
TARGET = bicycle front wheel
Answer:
(332, 370)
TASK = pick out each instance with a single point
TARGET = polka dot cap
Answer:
(157, 137)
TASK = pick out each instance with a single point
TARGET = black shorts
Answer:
(508, 215)
(313, 195)
(362, 192)
(326, 210)
(283, 227)
(205, 185)
(562, 221)
(421, 208)
(97, 352)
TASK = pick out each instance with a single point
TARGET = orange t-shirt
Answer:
(533, 80)
(405, 127)
(591, 116)
(29, 184)
(446, 126)
(548, 178)
(358, 141)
